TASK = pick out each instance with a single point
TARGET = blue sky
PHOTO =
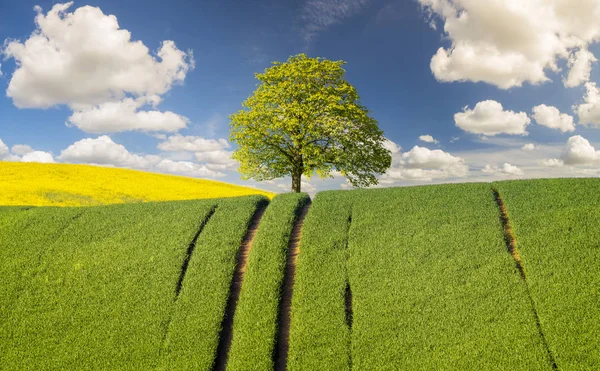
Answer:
(172, 117)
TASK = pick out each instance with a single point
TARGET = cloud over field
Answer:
(507, 169)
(23, 153)
(428, 139)
(489, 118)
(551, 117)
(423, 164)
(511, 42)
(589, 110)
(84, 60)
(104, 151)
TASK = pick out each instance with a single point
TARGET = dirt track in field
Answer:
(234, 291)
(511, 244)
(282, 347)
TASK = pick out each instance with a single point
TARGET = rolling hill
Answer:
(85, 185)
(500, 276)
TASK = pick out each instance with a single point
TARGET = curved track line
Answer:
(234, 291)
(282, 347)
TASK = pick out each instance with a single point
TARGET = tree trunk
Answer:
(296, 176)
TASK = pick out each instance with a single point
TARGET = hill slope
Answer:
(84, 185)
(499, 276)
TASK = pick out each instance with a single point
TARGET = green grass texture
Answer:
(193, 334)
(255, 322)
(433, 286)
(319, 336)
(556, 226)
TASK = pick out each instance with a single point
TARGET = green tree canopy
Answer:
(304, 118)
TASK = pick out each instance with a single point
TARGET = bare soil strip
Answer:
(348, 294)
(190, 251)
(511, 244)
(234, 291)
(348, 298)
(285, 305)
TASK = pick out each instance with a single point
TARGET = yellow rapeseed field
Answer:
(83, 185)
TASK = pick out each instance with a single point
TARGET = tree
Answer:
(304, 118)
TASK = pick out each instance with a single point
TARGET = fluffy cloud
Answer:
(21, 149)
(528, 147)
(551, 117)
(112, 117)
(104, 151)
(192, 144)
(23, 153)
(509, 42)
(428, 139)
(38, 156)
(3, 149)
(579, 151)
(553, 162)
(589, 110)
(580, 65)
(424, 164)
(217, 160)
(84, 58)
(186, 168)
(489, 118)
(507, 169)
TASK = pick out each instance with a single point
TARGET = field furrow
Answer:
(285, 306)
(433, 287)
(194, 332)
(556, 226)
(256, 317)
(234, 291)
(319, 337)
(104, 289)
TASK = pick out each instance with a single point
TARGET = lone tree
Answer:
(305, 118)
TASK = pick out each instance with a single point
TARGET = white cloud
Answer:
(507, 169)
(589, 110)
(3, 149)
(23, 153)
(21, 149)
(104, 151)
(179, 142)
(509, 42)
(84, 58)
(489, 118)
(551, 117)
(307, 187)
(38, 156)
(553, 162)
(217, 159)
(391, 146)
(428, 139)
(423, 164)
(528, 147)
(113, 117)
(580, 65)
(579, 151)
(187, 168)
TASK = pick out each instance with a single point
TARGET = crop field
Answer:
(556, 225)
(85, 185)
(97, 287)
(256, 318)
(500, 276)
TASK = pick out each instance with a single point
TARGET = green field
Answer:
(414, 278)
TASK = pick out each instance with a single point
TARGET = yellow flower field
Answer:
(83, 185)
